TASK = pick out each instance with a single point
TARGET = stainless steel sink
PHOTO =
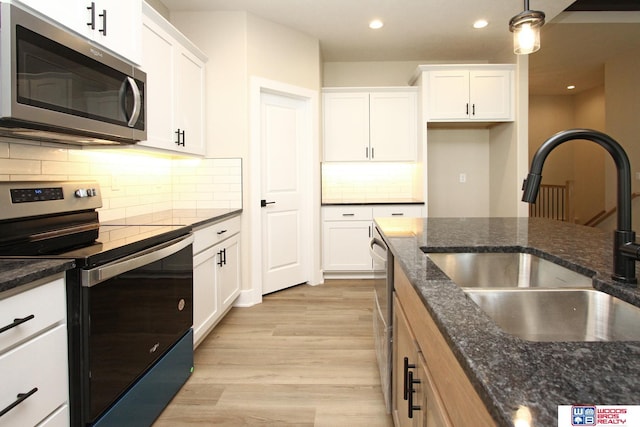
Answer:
(506, 270)
(560, 315)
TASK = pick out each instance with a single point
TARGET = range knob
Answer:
(85, 192)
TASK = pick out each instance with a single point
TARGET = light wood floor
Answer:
(304, 357)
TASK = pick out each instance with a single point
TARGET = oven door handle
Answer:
(99, 274)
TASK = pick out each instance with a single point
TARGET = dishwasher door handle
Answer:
(100, 274)
(377, 242)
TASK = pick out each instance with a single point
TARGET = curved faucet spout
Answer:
(624, 237)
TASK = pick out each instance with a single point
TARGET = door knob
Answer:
(264, 203)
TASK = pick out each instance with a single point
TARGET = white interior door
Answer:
(285, 140)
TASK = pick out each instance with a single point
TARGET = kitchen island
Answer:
(510, 374)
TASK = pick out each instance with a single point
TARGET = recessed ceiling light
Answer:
(480, 23)
(571, 87)
(376, 24)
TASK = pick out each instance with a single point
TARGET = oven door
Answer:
(135, 309)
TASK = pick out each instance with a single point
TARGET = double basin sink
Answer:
(538, 300)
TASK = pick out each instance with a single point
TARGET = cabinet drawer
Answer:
(40, 363)
(47, 304)
(60, 418)
(397, 211)
(347, 213)
(210, 235)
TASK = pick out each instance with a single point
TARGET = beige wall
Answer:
(623, 112)
(358, 74)
(450, 153)
(240, 46)
(623, 119)
(504, 181)
(278, 53)
(580, 161)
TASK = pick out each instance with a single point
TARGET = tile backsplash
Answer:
(132, 182)
(361, 182)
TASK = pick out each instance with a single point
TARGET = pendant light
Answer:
(525, 27)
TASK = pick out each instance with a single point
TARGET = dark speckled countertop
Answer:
(21, 271)
(16, 272)
(508, 372)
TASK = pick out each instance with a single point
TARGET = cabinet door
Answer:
(205, 295)
(393, 126)
(346, 126)
(448, 95)
(433, 413)
(117, 26)
(405, 363)
(69, 13)
(229, 272)
(490, 94)
(157, 62)
(189, 106)
(346, 246)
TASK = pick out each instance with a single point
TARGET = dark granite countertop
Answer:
(510, 373)
(386, 201)
(192, 217)
(16, 272)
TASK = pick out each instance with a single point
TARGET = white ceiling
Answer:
(440, 30)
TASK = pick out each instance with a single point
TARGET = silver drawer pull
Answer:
(348, 214)
(221, 232)
(397, 214)
(17, 322)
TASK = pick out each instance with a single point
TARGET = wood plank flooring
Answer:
(304, 357)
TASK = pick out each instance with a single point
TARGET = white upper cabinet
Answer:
(114, 24)
(175, 88)
(459, 93)
(368, 124)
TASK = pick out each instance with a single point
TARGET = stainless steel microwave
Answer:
(58, 86)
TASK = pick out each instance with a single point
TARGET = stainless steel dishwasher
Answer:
(382, 310)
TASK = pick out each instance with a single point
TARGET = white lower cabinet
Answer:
(33, 356)
(216, 274)
(347, 230)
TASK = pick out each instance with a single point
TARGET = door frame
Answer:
(311, 198)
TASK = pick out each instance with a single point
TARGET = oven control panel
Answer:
(39, 194)
(21, 199)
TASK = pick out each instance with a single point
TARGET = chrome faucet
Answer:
(625, 250)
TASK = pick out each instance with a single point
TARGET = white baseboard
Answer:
(348, 275)
(248, 298)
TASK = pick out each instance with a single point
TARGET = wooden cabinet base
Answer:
(453, 397)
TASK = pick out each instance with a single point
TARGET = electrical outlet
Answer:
(638, 176)
(462, 178)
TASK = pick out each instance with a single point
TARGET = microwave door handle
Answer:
(137, 101)
(98, 275)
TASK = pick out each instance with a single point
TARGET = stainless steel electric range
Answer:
(129, 298)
